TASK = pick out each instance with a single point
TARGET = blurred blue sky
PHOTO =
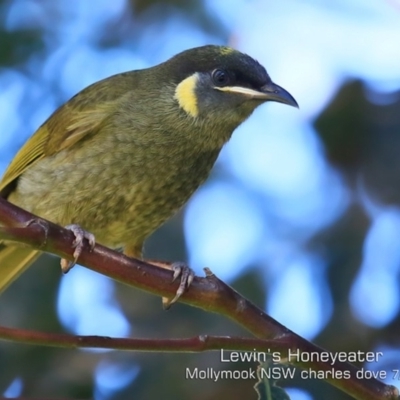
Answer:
(279, 190)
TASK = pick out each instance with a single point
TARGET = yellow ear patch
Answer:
(186, 96)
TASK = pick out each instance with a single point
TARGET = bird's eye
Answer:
(220, 77)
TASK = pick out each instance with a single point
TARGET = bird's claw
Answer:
(186, 275)
(80, 236)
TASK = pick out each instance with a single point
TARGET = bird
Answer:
(126, 153)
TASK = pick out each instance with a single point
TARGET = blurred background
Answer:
(301, 213)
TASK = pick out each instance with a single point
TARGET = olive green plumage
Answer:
(126, 153)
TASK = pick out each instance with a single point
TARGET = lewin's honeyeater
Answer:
(124, 154)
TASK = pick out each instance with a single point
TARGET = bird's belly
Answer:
(120, 203)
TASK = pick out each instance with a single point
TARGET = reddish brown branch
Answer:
(208, 293)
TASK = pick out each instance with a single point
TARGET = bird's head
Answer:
(216, 82)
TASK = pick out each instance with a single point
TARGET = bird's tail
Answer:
(13, 261)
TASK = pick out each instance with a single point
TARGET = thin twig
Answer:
(195, 344)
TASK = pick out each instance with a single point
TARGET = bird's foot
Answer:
(43, 224)
(80, 236)
(186, 275)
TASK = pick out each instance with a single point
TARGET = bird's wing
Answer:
(84, 114)
(64, 129)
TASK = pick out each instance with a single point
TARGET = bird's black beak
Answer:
(273, 92)
(268, 92)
